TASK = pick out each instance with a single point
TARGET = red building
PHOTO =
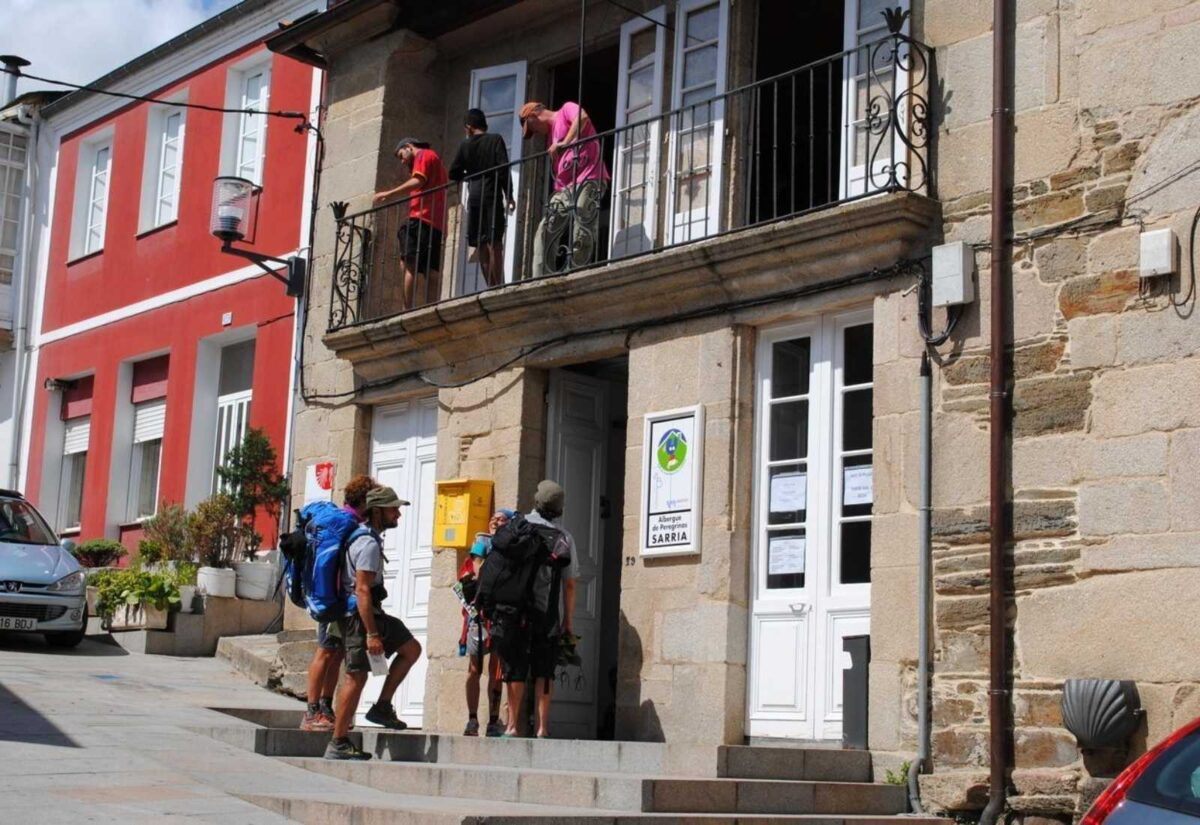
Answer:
(154, 350)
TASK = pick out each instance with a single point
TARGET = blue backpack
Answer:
(314, 557)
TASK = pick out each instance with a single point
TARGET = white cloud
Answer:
(81, 40)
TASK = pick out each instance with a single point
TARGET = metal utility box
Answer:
(953, 274)
(462, 509)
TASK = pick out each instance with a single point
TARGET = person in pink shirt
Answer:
(580, 183)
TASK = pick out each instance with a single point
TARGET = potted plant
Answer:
(98, 552)
(135, 598)
(168, 530)
(215, 534)
(183, 574)
(257, 489)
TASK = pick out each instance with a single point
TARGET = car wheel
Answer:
(71, 638)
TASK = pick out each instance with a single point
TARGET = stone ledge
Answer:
(759, 262)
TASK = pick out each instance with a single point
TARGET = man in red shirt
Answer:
(421, 237)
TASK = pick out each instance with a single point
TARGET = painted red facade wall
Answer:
(133, 268)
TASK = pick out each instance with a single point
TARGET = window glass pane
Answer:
(641, 44)
(789, 430)
(497, 94)
(147, 479)
(700, 66)
(858, 355)
(641, 87)
(856, 420)
(854, 509)
(74, 468)
(785, 553)
(702, 25)
(790, 367)
(502, 125)
(856, 552)
(787, 494)
(870, 12)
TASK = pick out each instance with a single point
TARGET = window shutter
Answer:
(78, 431)
(148, 421)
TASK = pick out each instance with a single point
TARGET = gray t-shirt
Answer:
(364, 553)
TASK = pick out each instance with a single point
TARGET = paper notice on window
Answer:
(789, 492)
(856, 486)
(785, 556)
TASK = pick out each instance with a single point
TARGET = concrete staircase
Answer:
(433, 778)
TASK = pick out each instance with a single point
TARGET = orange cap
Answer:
(530, 108)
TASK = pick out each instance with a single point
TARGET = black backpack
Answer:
(521, 573)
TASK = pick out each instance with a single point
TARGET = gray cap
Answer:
(383, 497)
(549, 496)
(411, 141)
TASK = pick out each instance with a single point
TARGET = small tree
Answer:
(254, 485)
(168, 530)
(214, 531)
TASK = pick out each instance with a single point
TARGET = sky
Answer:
(81, 40)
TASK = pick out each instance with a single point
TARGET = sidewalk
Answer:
(97, 735)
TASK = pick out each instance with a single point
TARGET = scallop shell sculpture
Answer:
(1102, 713)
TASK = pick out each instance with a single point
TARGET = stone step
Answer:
(320, 810)
(613, 791)
(762, 762)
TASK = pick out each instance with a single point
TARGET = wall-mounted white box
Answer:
(953, 274)
(1159, 253)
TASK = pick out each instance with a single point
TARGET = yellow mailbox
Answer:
(463, 508)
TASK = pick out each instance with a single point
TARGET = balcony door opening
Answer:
(796, 112)
(601, 69)
(585, 452)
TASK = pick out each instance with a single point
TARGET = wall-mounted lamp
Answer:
(232, 198)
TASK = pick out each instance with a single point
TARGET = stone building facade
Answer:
(1104, 367)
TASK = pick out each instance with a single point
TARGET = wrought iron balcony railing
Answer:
(849, 126)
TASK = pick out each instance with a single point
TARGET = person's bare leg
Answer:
(516, 698)
(491, 258)
(409, 282)
(405, 658)
(317, 671)
(545, 692)
(493, 690)
(473, 675)
(333, 670)
(347, 704)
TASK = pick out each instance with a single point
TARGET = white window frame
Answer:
(239, 126)
(90, 212)
(76, 441)
(149, 419)
(471, 280)
(854, 177)
(698, 223)
(622, 243)
(233, 420)
(12, 188)
(161, 184)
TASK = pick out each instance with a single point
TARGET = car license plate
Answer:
(12, 623)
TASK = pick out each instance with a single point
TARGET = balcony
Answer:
(812, 175)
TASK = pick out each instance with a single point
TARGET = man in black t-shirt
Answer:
(489, 192)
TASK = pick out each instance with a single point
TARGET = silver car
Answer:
(1161, 788)
(42, 588)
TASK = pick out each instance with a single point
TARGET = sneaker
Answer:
(327, 711)
(345, 750)
(495, 728)
(316, 721)
(385, 716)
(472, 728)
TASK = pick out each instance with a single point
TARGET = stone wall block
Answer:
(1141, 399)
(1143, 552)
(1149, 337)
(1042, 747)
(961, 746)
(1048, 462)
(961, 612)
(1140, 455)
(1046, 210)
(962, 651)
(1093, 341)
(1185, 480)
(1127, 506)
(1056, 404)
(1097, 294)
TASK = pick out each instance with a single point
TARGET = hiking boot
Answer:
(472, 728)
(327, 711)
(316, 721)
(385, 716)
(344, 749)
(495, 728)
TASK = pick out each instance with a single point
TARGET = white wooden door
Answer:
(871, 77)
(813, 494)
(639, 102)
(403, 457)
(698, 124)
(499, 91)
(576, 457)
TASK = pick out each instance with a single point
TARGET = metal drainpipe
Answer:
(998, 689)
(923, 587)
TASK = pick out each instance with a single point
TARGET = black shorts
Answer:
(327, 640)
(525, 650)
(486, 222)
(392, 633)
(421, 246)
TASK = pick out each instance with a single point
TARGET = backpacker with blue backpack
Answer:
(314, 556)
